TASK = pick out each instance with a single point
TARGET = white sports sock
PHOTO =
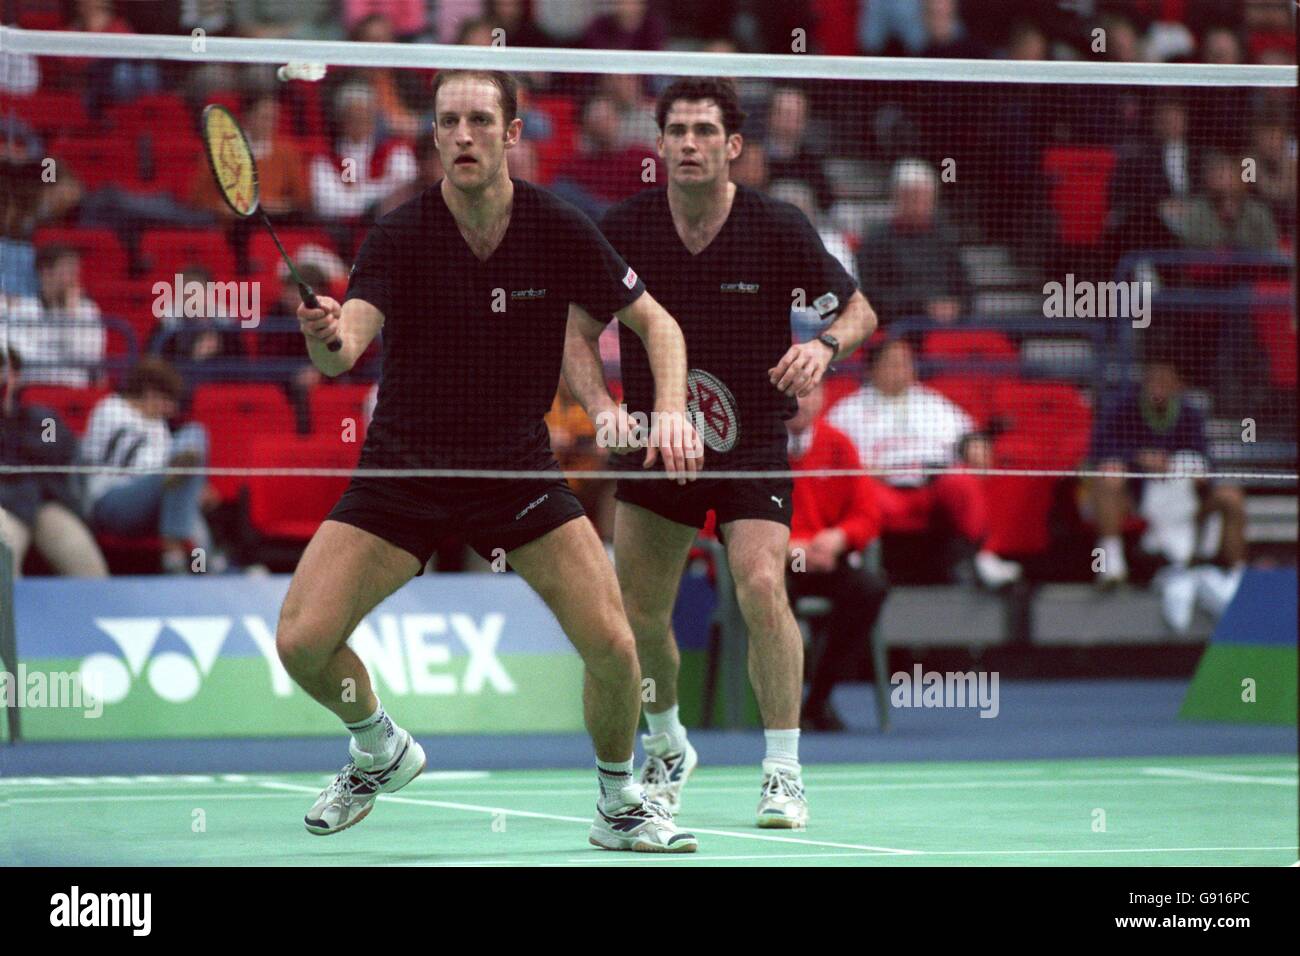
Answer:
(668, 722)
(1112, 547)
(782, 747)
(613, 778)
(376, 736)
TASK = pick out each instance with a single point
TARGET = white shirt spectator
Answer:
(61, 347)
(336, 199)
(19, 73)
(915, 429)
(119, 434)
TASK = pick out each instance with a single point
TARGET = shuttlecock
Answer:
(301, 70)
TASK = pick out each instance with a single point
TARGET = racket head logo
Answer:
(712, 409)
(230, 158)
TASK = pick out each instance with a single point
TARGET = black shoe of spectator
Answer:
(822, 720)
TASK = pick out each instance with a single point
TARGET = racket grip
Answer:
(309, 299)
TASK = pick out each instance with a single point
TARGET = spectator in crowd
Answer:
(565, 21)
(834, 519)
(20, 73)
(428, 171)
(41, 509)
(20, 200)
(287, 19)
(395, 116)
(636, 115)
(281, 171)
(476, 31)
(195, 338)
(1154, 429)
(911, 265)
(1221, 45)
(945, 34)
(1123, 44)
(750, 167)
(603, 172)
(630, 25)
(898, 424)
(408, 19)
(513, 16)
(806, 322)
(1152, 182)
(1273, 147)
(789, 153)
(1224, 216)
(130, 429)
(58, 330)
(1026, 41)
(883, 24)
(103, 79)
(364, 167)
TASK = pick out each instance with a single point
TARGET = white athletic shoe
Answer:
(665, 771)
(995, 572)
(783, 804)
(641, 825)
(351, 796)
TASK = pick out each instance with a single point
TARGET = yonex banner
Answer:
(195, 657)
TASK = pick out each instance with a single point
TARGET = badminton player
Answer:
(474, 283)
(726, 261)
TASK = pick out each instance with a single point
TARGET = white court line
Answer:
(142, 798)
(444, 804)
(1217, 777)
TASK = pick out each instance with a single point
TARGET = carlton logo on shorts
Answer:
(712, 408)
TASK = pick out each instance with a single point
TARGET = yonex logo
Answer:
(395, 647)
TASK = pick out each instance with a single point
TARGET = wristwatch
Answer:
(831, 342)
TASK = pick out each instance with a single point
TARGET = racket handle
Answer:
(309, 299)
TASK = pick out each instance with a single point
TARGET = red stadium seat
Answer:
(293, 506)
(74, 405)
(131, 300)
(1275, 331)
(968, 344)
(974, 393)
(332, 404)
(48, 111)
(553, 152)
(99, 161)
(162, 114)
(1046, 425)
(102, 256)
(234, 415)
(169, 251)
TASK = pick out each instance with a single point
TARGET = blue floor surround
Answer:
(1036, 720)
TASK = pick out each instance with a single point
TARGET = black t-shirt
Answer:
(732, 301)
(472, 351)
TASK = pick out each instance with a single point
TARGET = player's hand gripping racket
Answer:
(231, 160)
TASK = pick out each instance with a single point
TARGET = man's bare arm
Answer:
(803, 366)
(584, 372)
(665, 345)
(356, 323)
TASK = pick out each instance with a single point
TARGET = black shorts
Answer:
(731, 498)
(490, 513)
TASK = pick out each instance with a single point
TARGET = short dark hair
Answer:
(719, 89)
(47, 256)
(507, 86)
(154, 374)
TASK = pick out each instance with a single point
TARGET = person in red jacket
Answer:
(834, 519)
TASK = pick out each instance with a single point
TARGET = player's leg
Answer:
(756, 551)
(67, 543)
(650, 554)
(343, 574)
(15, 536)
(568, 568)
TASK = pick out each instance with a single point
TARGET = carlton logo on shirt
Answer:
(528, 293)
(748, 288)
(629, 280)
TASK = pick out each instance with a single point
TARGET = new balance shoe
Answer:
(351, 795)
(783, 804)
(640, 825)
(666, 771)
